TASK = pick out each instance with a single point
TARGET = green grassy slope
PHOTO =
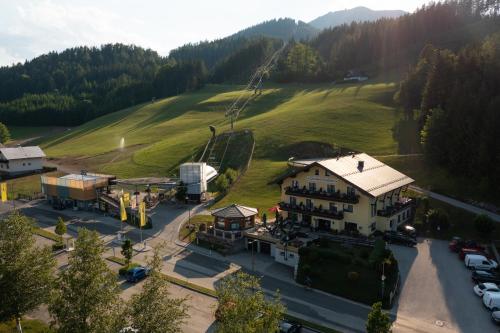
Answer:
(161, 135)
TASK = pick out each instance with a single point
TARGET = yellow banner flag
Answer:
(142, 214)
(123, 211)
(126, 199)
(3, 190)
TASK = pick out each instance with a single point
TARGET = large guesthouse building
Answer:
(354, 193)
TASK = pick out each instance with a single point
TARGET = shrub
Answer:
(484, 225)
(364, 254)
(353, 276)
(231, 175)
(57, 246)
(222, 183)
(438, 219)
(378, 252)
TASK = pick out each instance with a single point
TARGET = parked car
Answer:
(479, 262)
(290, 327)
(409, 231)
(484, 276)
(495, 316)
(458, 243)
(492, 301)
(482, 288)
(137, 273)
(399, 238)
(465, 251)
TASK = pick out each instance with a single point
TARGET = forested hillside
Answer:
(458, 98)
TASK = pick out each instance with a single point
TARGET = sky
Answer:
(29, 28)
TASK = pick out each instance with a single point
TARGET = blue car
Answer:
(137, 273)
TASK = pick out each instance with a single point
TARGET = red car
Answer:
(465, 251)
(457, 244)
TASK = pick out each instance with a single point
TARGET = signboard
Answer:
(3, 190)
(126, 199)
(142, 214)
(123, 211)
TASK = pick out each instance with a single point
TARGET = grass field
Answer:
(284, 119)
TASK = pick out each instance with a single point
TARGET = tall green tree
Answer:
(127, 251)
(4, 133)
(378, 321)
(153, 310)
(26, 270)
(484, 225)
(61, 228)
(243, 307)
(86, 295)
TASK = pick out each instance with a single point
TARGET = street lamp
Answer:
(189, 210)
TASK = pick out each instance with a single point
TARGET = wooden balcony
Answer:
(313, 211)
(323, 195)
(396, 209)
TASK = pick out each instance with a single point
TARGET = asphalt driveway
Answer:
(437, 290)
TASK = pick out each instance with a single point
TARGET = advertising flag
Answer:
(126, 199)
(123, 211)
(3, 190)
(142, 214)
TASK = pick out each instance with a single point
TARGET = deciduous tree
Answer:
(153, 310)
(243, 307)
(378, 321)
(86, 295)
(26, 271)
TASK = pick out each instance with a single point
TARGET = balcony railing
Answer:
(314, 211)
(397, 208)
(325, 195)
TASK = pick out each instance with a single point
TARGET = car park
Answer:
(136, 274)
(479, 262)
(492, 301)
(485, 276)
(482, 288)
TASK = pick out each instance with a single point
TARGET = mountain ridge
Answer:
(356, 14)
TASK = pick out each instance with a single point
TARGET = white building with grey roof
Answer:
(20, 160)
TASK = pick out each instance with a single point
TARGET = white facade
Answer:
(196, 176)
(21, 160)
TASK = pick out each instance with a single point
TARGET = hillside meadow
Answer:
(285, 120)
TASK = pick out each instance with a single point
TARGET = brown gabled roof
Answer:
(235, 211)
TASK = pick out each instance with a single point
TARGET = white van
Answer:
(492, 301)
(479, 262)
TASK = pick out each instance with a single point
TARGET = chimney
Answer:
(361, 165)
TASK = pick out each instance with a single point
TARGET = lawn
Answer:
(284, 120)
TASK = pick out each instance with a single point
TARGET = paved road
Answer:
(437, 289)
(456, 203)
